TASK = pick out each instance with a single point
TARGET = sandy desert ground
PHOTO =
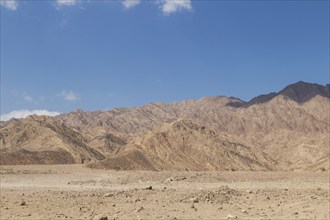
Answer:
(76, 192)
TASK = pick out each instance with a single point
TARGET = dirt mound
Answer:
(219, 196)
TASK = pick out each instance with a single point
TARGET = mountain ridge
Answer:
(299, 92)
(288, 130)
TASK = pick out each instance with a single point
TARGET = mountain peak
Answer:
(78, 110)
(300, 92)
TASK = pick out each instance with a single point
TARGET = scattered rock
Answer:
(192, 206)
(296, 213)
(108, 195)
(221, 195)
(244, 211)
(180, 178)
(194, 200)
(23, 203)
(148, 188)
(100, 217)
(248, 191)
(230, 216)
(139, 209)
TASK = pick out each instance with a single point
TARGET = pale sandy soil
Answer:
(75, 192)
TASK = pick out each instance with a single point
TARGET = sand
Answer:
(77, 192)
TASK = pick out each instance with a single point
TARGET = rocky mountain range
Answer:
(287, 130)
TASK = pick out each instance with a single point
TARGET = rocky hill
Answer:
(41, 140)
(285, 130)
(183, 145)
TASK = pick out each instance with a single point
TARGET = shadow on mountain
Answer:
(25, 157)
(300, 92)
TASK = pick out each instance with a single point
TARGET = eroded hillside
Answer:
(287, 130)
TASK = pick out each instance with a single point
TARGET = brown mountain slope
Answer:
(106, 143)
(295, 135)
(132, 121)
(291, 126)
(215, 112)
(183, 145)
(24, 157)
(40, 139)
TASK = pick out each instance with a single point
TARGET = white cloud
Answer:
(131, 3)
(24, 113)
(167, 6)
(60, 3)
(10, 4)
(68, 95)
(171, 6)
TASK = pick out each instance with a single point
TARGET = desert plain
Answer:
(78, 192)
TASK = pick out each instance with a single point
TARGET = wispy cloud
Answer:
(28, 98)
(23, 113)
(68, 95)
(167, 6)
(131, 3)
(9, 4)
(22, 95)
(60, 3)
(171, 6)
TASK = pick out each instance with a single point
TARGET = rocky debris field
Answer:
(76, 192)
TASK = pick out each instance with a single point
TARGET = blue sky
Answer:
(60, 55)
